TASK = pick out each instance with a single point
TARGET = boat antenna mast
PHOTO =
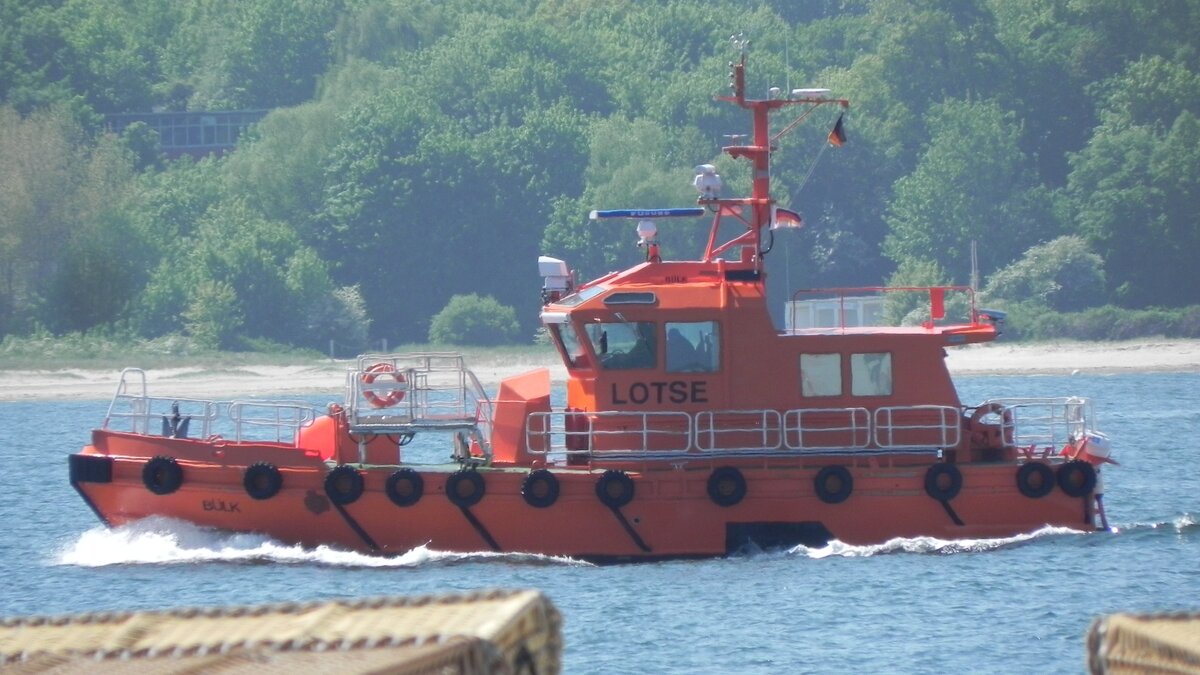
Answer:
(758, 211)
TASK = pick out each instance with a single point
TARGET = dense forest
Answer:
(417, 151)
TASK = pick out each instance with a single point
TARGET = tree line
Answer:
(422, 150)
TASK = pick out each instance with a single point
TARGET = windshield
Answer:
(572, 348)
(624, 345)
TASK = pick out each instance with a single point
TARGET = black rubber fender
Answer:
(833, 484)
(943, 481)
(344, 485)
(465, 488)
(1035, 480)
(540, 488)
(726, 486)
(615, 488)
(1077, 478)
(162, 475)
(405, 487)
(262, 480)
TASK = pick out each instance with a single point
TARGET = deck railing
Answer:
(422, 391)
(909, 429)
(132, 410)
(1047, 423)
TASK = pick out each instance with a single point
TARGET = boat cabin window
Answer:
(582, 296)
(821, 374)
(693, 347)
(624, 345)
(871, 374)
(631, 299)
(568, 340)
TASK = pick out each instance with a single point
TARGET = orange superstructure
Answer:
(692, 425)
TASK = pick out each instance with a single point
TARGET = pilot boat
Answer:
(689, 424)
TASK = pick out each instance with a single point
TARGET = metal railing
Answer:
(918, 426)
(1047, 422)
(619, 435)
(737, 430)
(276, 421)
(132, 410)
(839, 309)
(422, 391)
(822, 428)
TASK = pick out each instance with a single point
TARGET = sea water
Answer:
(1021, 604)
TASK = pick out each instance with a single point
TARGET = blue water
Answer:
(1017, 605)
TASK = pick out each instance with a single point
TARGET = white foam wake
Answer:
(163, 541)
(1182, 523)
(927, 545)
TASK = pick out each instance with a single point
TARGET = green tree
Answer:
(1063, 275)
(112, 50)
(264, 54)
(971, 183)
(279, 165)
(474, 320)
(1133, 189)
(250, 275)
(213, 317)
(60, 195)
(98, 269)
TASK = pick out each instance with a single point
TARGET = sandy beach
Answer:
(329, 376)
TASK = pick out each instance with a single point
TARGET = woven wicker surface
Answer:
(1162, 643)
(487, 631)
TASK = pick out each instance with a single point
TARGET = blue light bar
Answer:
(649, 213)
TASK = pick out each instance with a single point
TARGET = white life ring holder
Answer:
(391, 397)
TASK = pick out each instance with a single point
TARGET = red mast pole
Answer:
(759, 154)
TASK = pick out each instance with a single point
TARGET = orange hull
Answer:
(670, 515)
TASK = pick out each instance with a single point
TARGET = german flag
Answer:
(837, 137)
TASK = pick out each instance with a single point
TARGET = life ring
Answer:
(726, 486)
(991, 434)
(262, 480)
(943, 481)
(1077, 478)
(615, 488)
(1035, 480)
(392, 397)
(540, 488)
(465, 488)
(833, 484)
(162, 475)
(405, 487)
(344, 485)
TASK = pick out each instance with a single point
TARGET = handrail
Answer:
(418, 391)
(764, 424)
(823, 424)
(147, 415)
(923, 428)
(276, 416)
(918, 426)
(136, 412)
(839, 296)
(1048, 422)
